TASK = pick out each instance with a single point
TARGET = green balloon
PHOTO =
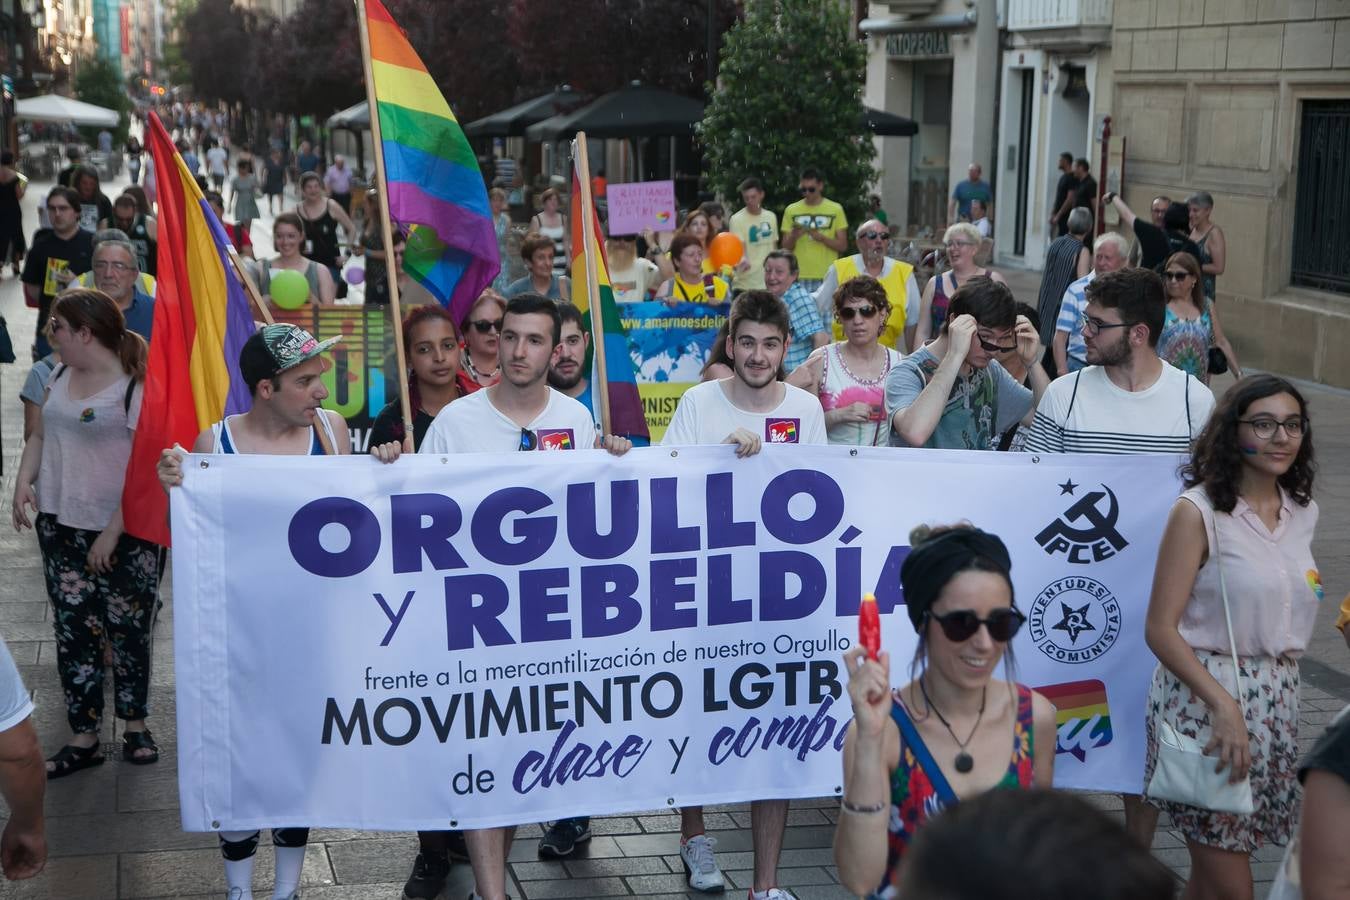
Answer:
(289, 289)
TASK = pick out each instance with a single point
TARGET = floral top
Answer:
(839, 387)
(914, 801)
(1185, 343)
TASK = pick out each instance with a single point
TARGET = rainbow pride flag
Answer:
(202, 319)
(435, 188)
(625, 405)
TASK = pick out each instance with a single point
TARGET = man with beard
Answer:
(568, 374)
(1110, 253)
(1127, 400)
(748, 409)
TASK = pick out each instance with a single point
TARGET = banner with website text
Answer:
(493, 639)
(670, 343)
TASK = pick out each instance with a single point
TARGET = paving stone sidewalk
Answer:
(114, 831)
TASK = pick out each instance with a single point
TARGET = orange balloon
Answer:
(725, 250)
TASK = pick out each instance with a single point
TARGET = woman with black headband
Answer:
(953, 731)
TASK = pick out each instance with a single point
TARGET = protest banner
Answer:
(636, 206)
(670, 344)
(493, 639)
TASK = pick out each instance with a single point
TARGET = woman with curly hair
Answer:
(1238, 543)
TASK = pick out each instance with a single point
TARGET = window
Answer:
(1322, 200)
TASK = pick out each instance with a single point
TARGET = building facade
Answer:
(1249, 100)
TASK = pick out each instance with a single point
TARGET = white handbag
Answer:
(1182, 773)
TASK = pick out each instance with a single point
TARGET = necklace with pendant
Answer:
(964, 762)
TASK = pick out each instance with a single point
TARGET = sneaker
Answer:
(456, 847)
(775, 893)
(428, 876)
(562, 837)
(699, 865)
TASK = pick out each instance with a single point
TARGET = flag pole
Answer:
(386, 225)
(599, 390)
(249, 287)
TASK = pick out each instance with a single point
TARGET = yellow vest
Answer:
(846, 269)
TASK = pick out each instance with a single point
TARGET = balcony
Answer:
(1060, 24)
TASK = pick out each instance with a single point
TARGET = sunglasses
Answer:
(990, 347)
(961, 625)
(487, 326)
(528, 440)
(873, 236)
(848, 312)
(809, 190)
(1176, 276)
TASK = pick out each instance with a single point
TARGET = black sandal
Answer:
(139, 740)
(71, 759)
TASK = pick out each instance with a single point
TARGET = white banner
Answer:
(492, 639)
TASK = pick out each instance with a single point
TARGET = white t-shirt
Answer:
(982, 226)
(215, 160)
(632, 283)
(473, 425)
(705, 415)
(1163, 418)
(15, 704)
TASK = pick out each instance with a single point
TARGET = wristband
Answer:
(848, 807)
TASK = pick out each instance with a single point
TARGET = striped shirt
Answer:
(1085, 412)
(1061, 267)
(1072, 312)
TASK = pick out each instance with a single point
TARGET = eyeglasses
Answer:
(991, 347)
(1264, 428)
(109, 265)
(528, 440)
(487, 326)
(961, 624)
(809, 190)
(873, 236)
(1176, 276)
(848, 312)
(952, 245)
(1093, 326)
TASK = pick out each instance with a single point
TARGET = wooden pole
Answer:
(249, 287)
(591, 253)
(386, 225)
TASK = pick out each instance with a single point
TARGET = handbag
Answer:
(6, 345)
(1218, 363)
(1182, 773)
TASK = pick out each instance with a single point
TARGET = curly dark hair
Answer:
(1216, 460)
(863, 287)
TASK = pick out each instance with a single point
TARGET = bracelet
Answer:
(848, 807)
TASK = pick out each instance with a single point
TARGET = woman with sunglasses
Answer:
(1238, 545)
(1191, 324)
(482, 327)
(849, 376)
(962, 243)
(952, 732)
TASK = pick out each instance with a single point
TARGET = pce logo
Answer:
(1086, 532)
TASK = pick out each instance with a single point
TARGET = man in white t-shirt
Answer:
(520, 412)
(757, 228)
(216, 157)
(23, 777)
(749, 409)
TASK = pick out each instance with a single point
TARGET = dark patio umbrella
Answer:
(633, 111)
(887, 124)
(513, 121)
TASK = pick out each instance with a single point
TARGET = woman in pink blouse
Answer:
(1248, 515)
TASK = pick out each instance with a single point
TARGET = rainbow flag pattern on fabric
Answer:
(435, 188)
(1082, 718)
(202, 319)
(625, 405)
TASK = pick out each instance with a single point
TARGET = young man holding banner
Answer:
(520, 412)
(749, 409)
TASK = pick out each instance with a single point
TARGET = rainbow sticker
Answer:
(1082, 718)
(663, 216)
(87, 415)
(1315, 582)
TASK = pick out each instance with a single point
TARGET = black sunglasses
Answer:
(1176, 276)
(848, 312)
(809, 190)
(487, 326)
(994, 348)
(961, 625)
(873, 235)
(528, 440)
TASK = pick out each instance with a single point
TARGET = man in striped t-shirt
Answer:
(1127, 400)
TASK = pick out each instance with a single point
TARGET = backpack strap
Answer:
(126, 399)
(1072, 397)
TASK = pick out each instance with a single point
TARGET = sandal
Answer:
(71, 759)
(139, 740)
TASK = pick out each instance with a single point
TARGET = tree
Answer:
(100, 82)
(790, 96)
(219, 41)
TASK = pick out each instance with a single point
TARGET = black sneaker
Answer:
(561, 838)
(456, 847)
(428, 876)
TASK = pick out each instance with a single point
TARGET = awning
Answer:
(885, 124)
(354, 118)
(56, 108)
(512, 121)
(633, 111)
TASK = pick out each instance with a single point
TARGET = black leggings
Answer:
(237, 845)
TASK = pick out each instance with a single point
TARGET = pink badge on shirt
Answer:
(556, 439)
(782, 431)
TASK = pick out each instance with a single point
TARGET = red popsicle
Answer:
(869, 626)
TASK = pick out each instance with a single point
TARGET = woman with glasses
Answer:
(541, 275)
(1190, 325)
(962, 243)
(482, 327)
(952, 732)
(698, 226)
(288, 237)
(1235, 565)
(849, 376)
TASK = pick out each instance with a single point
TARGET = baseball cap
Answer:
(275, 348)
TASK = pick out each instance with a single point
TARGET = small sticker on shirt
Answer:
(557, 439)
(87, 415)
(1315, 582)
(782, 431)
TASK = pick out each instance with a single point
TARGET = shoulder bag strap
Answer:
(910, 735)
(1228, 616)
(1078, 376)
(1190, 431)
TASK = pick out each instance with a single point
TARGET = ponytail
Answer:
(133, 351)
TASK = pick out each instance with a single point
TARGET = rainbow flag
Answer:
(625, 405)
(1082, 719)
(202, 319)
(435, 188)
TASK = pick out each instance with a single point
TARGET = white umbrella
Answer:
(56, 108)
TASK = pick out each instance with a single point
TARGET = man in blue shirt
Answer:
(973, 188)
(118, 274)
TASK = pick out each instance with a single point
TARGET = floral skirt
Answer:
(1271, 688)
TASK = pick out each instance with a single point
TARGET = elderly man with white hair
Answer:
(1110, 253)
(895, 276)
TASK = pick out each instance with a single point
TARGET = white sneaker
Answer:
(699, 865)
(775, 893)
